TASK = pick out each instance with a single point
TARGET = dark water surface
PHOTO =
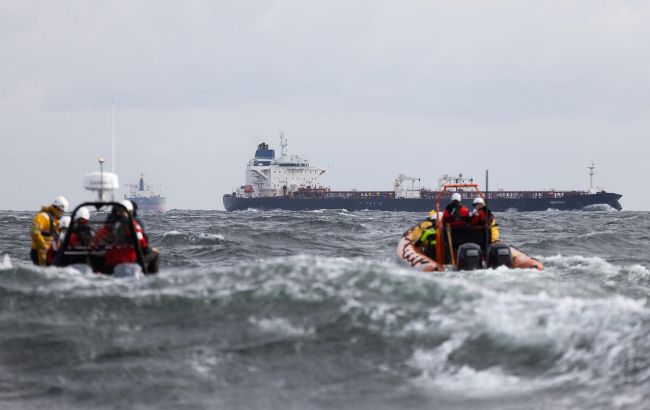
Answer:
(313, 310)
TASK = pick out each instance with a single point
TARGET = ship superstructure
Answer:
(146, 196)
(268, 176)
(291, 183)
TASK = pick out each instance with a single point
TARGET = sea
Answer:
(314, 310)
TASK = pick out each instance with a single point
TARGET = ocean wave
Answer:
(281, 327)
(198, 238)
(308, 301)
(599, 208)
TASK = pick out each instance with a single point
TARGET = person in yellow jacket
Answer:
(45, 229)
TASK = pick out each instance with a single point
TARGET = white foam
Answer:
(599, 208)
(200, 235)
(596, 265)
(637, 272)
(627, 400)
(6, 262)
(592, 264)
(216, 236)
(592, 338)
(464, 380)
(280, 326)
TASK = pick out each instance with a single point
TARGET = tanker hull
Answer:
(149, 204)
(577, 202)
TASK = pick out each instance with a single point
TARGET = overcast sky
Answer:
(531, 90)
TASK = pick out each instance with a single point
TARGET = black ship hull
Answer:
(574, 202)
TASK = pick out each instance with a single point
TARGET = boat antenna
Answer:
(101, 178)
(487, 219)
(591, 176)
(487, 185)
(113, 138)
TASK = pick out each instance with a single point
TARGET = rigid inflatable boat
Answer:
(462, 248)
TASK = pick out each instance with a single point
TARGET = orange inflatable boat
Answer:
(430, 247)
(468, 257)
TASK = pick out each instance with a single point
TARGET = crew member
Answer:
(64, 224)
(423, 235)
(151, 255)
(82, 233)
(116, 235)
(418, 245)
(456, 214)
(45, 229)
(137, 218)
(482, 217)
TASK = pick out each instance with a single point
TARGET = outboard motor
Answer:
(469, 257)
(499, 255)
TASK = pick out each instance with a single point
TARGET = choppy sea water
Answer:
(313, 310)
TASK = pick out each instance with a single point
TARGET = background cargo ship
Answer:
(291, 183)
(146, 196)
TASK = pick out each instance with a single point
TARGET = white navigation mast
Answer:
(283, 145)
(591, 176)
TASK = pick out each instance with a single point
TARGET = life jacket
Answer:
(456, 215)
(480, 217)
(80, 236)
(423, 236)
(485, 218)
(52, 232)
(119, 242)
(44, 229)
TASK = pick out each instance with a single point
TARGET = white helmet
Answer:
(83, 213)
(61, 203)
(456, 197)
(479, 200)
(64, 222)
(128, 205)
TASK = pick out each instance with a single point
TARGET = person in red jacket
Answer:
(483, 218)
(481, 213)
(456, 214)
(117, 237)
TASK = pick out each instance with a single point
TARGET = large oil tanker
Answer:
(290, 182)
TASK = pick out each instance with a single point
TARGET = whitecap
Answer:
(280, 326)
(6, 262)
(599, 208)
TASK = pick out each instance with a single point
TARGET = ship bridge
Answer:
(268, 176)
(263, 156)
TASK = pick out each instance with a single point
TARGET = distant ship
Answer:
(291, 183)
(146, 197)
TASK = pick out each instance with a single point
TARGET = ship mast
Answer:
(283, 145)
(591, 176)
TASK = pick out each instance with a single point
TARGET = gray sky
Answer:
(532, 90)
